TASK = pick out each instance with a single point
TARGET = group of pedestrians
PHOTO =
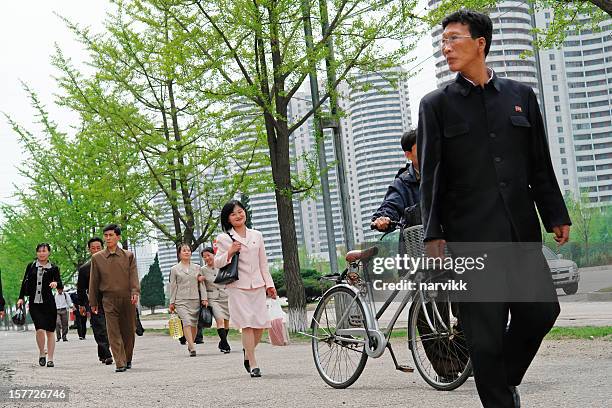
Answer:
(108, 290)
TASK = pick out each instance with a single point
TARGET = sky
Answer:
(29, 30)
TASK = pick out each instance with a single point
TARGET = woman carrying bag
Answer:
(40, 277)
(217, 298)
(247, 295)
(186, 294)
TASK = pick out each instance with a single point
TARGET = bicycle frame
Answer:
(377, 339)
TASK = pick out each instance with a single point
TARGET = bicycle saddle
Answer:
(362, 255)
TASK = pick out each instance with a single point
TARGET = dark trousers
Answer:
(501, 353)
(120, 325)
(80, 322)
(98, 325)
(61, 327)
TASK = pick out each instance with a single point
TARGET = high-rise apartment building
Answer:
(577, 83)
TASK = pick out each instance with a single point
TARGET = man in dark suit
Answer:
(98, 321)
(485, 166)
(1, 302)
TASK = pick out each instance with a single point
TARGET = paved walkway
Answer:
(565, 373)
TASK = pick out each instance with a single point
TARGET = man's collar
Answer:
(108, 253)
(467, 85)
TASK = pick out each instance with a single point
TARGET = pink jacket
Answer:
(253, 271)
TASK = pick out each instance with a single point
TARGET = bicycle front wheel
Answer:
(338, 343)
(437, 342)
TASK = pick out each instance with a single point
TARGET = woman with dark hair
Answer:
(247, 295)
(40, 277)
(184, 296)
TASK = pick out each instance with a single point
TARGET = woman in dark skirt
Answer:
(40, 277)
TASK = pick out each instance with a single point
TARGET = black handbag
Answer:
(19, 317)
(229, 273)
(206, 317)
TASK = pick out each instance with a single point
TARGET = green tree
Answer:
(65, 200)
(148, 94)
(260, 54)
(152, 287)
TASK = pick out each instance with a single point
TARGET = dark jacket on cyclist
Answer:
(401, 194)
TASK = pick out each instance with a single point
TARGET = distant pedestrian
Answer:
(114, 282)
(2, 303)
(186, 294)
(217, 298)
(98, 320)
(63, 304)
(247, 295)
(80, 321)
(40, 277)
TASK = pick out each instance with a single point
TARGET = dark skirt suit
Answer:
(43, 311)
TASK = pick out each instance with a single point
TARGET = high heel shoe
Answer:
(247, 366)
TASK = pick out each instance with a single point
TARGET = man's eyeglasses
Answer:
(452, 39)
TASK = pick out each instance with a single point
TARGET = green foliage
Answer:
(313, 286)
(152, 287)
(590, 233)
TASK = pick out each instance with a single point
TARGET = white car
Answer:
(564, 272)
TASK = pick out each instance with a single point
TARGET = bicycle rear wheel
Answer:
(440, 355)
(338, 343)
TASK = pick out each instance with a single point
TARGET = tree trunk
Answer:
(152, 310)
(291, 264)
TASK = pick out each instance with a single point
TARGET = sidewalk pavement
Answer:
(565, 373)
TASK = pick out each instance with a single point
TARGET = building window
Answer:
(556, 98)
(558, 108)
(564, 172)
(566, 182)
(554, 77)
(553, 67)
(551, 57)
(562, 150)
(563, 160)
(556, 88)
(560, 129)
(561, 140)
(559, 119)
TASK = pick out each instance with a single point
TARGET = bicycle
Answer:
(345, 328)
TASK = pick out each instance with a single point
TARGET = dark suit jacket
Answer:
(1, 297)
(28, 285)
(485, 164)
(401, 194)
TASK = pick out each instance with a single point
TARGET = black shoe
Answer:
(57, 341)
(256, 372)
(247, 366)
(81, 338)
(192, 353)
(128, 365)
(199, 341)
(515, 396)
(120, 369)
(50, 364)
(64, 339)
(108, 361)
(183, 340)
(42, 361)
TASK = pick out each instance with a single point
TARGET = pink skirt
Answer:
(247, 308)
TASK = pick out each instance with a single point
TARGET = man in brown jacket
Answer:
(114, 282)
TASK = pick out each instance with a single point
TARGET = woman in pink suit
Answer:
(247, 295)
